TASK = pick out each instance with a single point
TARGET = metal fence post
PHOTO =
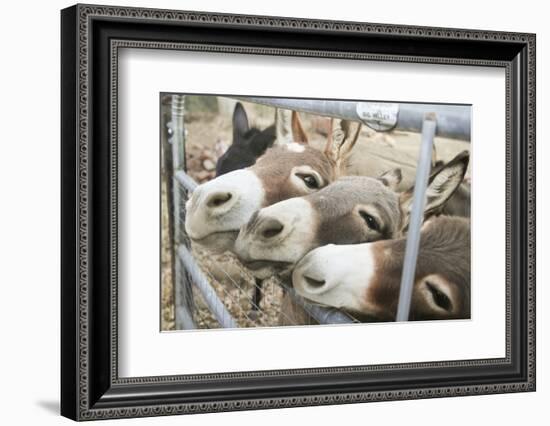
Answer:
(417, 215)
(183, 291)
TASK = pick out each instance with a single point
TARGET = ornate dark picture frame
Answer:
(91, 37)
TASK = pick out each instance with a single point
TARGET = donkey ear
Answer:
(442, 184)
(434, 156)
(283, 126)
(341, 141)
(240, 123)
(391, 178)
(298, 133)
(350, 137)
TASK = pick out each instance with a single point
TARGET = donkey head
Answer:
(217, 209)
(248, 143)
(365, 278)
(352, 210)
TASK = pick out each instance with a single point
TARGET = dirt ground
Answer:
(208, 134)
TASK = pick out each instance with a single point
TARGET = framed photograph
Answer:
(263, 212)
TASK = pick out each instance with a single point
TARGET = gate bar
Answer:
(323, 315)
(417, 216)
(185, 180)
(183, 294)
(182, 313)
(453, 121)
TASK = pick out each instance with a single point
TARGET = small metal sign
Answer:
(378, 116)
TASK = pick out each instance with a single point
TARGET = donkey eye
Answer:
(309, 180)
(371, 222)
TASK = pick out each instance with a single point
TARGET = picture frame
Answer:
(91, 37)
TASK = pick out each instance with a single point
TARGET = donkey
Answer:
(248, 143)
(365, 278)
(352, 210)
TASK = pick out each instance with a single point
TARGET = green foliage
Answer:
(198, 103)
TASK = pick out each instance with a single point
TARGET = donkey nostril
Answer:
(217, 200)
(272, 229)
(313, 283)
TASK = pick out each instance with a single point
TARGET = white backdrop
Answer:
(29, 225)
